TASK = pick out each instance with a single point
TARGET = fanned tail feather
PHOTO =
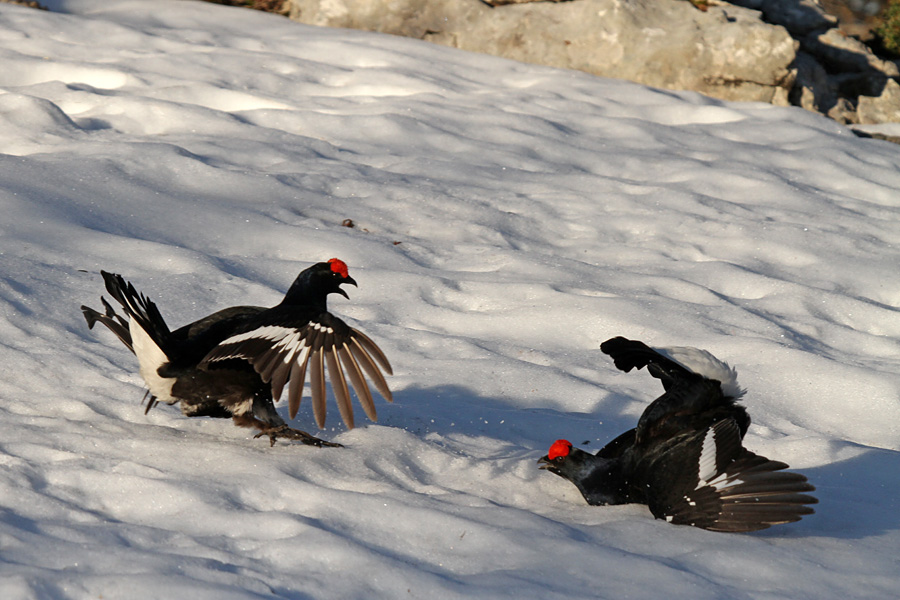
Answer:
(114, 322)
(139, 308)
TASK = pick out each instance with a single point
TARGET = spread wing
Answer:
(284, 352)
(691, 399)
(632, 354)
(672, 365)
(690, 403)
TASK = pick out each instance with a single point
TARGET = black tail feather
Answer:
(139, 308)
(133, 304)
(117, 324)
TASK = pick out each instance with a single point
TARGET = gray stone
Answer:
(797, 16)
(726, 51)
(813, 88)
(842, 53)
(731, 52)
(843, 112)
(505, 2)
(882, 109)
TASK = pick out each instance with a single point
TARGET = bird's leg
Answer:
(283, 431)
(265, 418)
(280, 430)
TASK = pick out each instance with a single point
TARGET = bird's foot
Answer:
(295, 434)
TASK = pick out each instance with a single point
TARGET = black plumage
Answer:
(235, 362)
(685, 459)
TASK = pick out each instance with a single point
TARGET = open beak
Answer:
(549, 465)
(349, 280)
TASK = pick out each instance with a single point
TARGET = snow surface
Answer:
(509, 218)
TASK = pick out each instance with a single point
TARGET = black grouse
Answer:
(685, 458)
(234, 362)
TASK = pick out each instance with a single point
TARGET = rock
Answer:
(800, 17)
(785, 52)
(842, 53)
(853, 69)
(26, 3)
(856, 18)
(843, 112)
(882, 109)
(726, 51)
(876, 135)
(813, 88)
(505, 2)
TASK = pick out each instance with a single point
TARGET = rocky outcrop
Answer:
(837, 75)
(28, 3)
(778, 51)
(885, 108)
(797, 16)
(726, 51)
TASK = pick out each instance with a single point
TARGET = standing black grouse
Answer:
(234, 362)
(685, 458)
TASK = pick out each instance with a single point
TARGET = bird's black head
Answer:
(595, 477)
(313, 284)
(563, 459)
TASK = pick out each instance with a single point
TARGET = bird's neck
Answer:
(604, 483)
(303, 293)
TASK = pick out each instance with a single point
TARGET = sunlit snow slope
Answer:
(508, 218)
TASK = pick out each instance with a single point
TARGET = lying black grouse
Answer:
(234, 362)
(685, 458)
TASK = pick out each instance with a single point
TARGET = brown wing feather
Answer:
(359, 383)
(365, 361)
(339, 385)
(370, 346)
(317, 382)
(298, 379)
